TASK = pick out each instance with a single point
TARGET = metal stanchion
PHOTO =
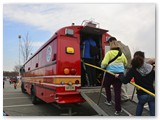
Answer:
(104, 74)
(133, 93)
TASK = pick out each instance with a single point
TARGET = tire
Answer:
(33, 97)
(23, 89)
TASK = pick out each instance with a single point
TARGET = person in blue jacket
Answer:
(88, 58)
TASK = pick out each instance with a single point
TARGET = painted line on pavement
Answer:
(15, 98)
(25, 105)
(12, 93)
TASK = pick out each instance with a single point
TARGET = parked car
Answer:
(13, 80)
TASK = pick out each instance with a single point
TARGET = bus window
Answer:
(107, 48)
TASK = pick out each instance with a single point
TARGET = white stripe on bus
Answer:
(56, 76)
(78, 85)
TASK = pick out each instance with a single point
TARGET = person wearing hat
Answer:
(124, 95)
(112, 39)
(115, 62)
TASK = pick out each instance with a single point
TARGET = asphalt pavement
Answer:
(16, 103)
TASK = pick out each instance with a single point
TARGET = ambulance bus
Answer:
(53, 73)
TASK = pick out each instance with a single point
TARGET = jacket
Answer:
(85, 47)
(118, 65)
(144, 77)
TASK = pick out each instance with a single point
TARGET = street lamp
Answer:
(19, 36)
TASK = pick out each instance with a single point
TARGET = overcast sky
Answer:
(133, 24)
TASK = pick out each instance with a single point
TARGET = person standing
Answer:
(15, 85)
(144, 76)
(124, 94)
(114, 61)
(87, 57)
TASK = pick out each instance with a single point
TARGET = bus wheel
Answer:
(33, 97)
(23, 89)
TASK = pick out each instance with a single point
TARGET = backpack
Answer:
(93, 50)
(126, 51)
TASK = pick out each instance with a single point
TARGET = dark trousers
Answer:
(91, 72)
(111, 80)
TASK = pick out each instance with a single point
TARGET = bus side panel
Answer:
(40, 92)
(51, 69)
(50, 94)
(27, 87)
(43, 91)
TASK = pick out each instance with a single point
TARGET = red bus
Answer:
(53, 73)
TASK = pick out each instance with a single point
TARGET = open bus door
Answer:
(96, 34)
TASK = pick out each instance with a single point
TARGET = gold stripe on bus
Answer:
(66, 80)
(56, 80)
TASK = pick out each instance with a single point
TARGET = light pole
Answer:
(19, 36)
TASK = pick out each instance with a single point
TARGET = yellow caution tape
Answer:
(132, 83)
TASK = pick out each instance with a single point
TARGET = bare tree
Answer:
(17, 68)
(10, 73)
(26, 47)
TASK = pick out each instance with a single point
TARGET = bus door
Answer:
(96, 35)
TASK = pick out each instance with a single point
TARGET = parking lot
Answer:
(15, 103)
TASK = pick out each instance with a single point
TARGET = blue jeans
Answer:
(145, 99)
